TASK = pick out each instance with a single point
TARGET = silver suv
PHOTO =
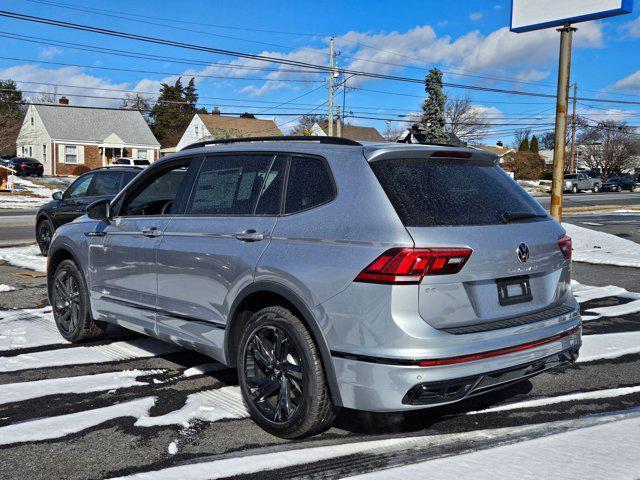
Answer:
(379, 277)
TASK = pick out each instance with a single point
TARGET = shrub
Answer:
(524, 165)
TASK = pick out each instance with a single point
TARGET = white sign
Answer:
(527, 15)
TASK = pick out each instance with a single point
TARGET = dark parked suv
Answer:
(378, 277)
(25, 166)
(94, 185)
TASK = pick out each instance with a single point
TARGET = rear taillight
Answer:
(409, 265)
(564, 244)
(23, 165)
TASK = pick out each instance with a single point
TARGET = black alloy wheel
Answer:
(274, 373)
(44, 233)
(66, 301)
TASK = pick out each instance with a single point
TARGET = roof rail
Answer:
(284, 138)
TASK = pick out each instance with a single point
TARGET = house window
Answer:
(32, 122)
(142, 153)
(44, 154)
(70, 154)
(196, 129)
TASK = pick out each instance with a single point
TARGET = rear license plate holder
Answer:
(514, 290)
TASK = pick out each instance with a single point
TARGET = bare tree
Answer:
(465, 120)
(392, 132)
(520, 136)
(548, 140)
(610, 146)
(9, 129)
(50, 95)
(305, 124)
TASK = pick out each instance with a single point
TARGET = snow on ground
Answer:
(592, 246)
(571, 397)
(585, 453)
(608, 346)
(208, 405)
(18, 392)
(25, 257)
(584, 293)
(6, 288)
(61, 425)
(113, 352)
(203, 368)
(28, 195)
(28, 328)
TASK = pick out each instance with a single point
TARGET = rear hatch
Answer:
(515, 267)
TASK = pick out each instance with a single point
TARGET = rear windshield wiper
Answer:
(509, 217)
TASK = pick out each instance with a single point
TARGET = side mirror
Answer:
(57, 195)
(100, 210)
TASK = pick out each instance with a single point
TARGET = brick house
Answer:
(63, 137)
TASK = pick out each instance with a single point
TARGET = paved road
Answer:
(17, 226)
(102, 432)
(592, 199)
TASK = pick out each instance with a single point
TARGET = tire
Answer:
(632, 188)
(70, 302)
(618, 189)
(288, 397)
(44, 232)
(595, 189)
(574, 189)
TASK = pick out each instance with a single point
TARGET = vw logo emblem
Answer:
(523, 252)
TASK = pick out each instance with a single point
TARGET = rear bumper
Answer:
(381, 385)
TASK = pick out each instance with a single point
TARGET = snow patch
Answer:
(203, 368)
(28, 328)
(30, 195)
(588, 454)
(114, 352)
(172, 449)
(584, 293)
(6, 288)
(18, 392)
(25, 257)
(61, 425)
(611, 345)
(208, 406)
(591, 246)
(572, 397)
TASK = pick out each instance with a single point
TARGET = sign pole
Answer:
(562, 106)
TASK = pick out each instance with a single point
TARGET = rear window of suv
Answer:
(430, 193)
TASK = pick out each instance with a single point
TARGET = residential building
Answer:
(501, 151)
(205, 126)
(415, 134)
(352, 132)
(62, 137)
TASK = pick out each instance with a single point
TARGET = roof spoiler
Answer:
(428, 152)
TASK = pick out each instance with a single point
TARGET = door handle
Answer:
(249, 236)
(151, 232)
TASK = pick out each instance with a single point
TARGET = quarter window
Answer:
(309, 184)
(238, 185)
(70, 154)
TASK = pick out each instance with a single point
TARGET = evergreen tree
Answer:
(11, 114)
(533, 146)
(433, 109)
(524, 145)
(173, 111)
(10, 98)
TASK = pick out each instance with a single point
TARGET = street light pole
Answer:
(573, 129)
(560, 147)
(330, 115)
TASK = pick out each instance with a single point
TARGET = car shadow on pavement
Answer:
(397, 422)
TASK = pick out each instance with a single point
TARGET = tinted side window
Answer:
(238, 185)
(107, 183)
(309, 184)
(79, 187)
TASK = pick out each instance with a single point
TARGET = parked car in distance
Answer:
(328, 273)
(66, 206)
(25, 166)
(138, 162)
(618, 184)
(578, 182)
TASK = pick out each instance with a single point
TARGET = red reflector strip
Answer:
(496, 353)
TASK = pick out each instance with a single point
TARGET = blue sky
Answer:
(469, 40)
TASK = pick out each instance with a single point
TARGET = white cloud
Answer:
(497, 7)
(475, 16)
(632, 28)
(629, 83)
(49, 52)
(531, 75)
(72, 76)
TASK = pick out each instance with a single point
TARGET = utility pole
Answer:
(339, 120)
(330, 116)
(560, 147)
(572, 168)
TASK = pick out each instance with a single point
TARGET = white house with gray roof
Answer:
(63, 137)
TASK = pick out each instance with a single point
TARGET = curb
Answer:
(18, 244)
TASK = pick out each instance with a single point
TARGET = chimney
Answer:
(63, 101)
(215, 111)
